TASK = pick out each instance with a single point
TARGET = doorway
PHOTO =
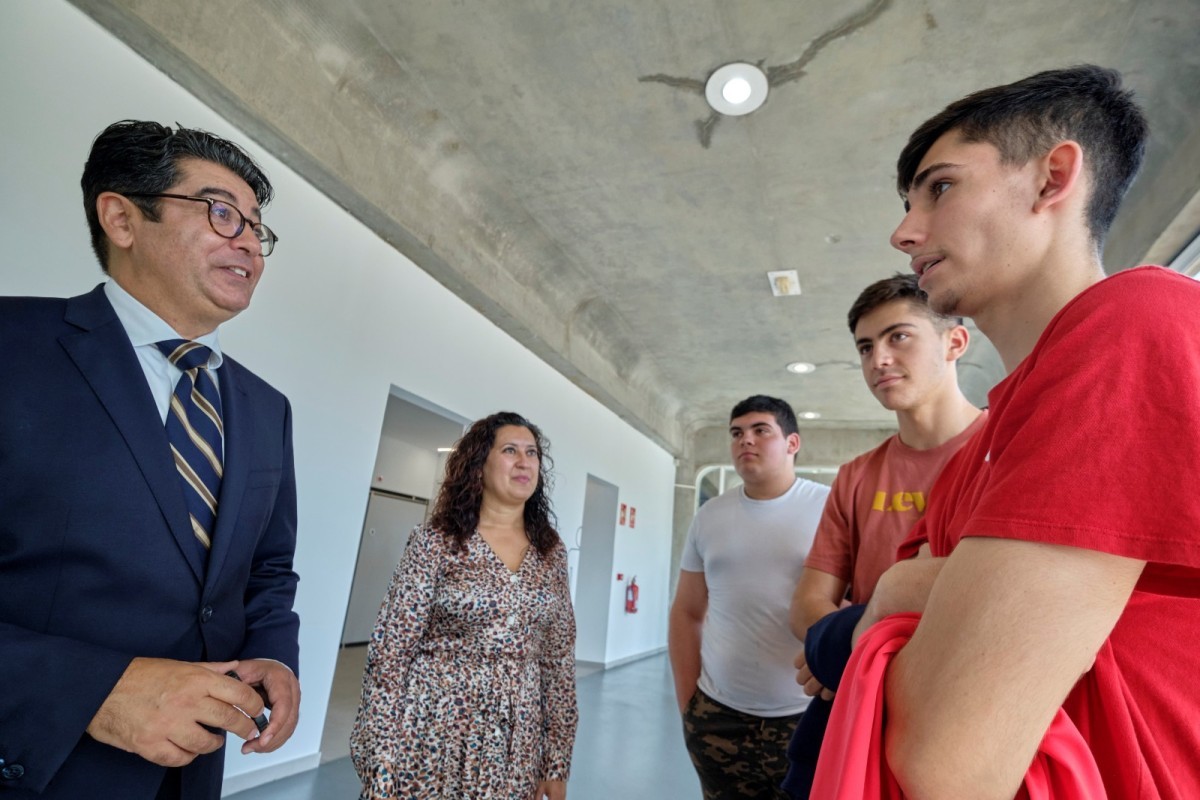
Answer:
(414, 440)
(593, 577)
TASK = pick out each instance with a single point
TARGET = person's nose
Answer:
(881, 358)
(909, 234)
(248, 241)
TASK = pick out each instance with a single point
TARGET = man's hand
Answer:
(551, 790)
(281, 689)
(804, 677)
(158, 709)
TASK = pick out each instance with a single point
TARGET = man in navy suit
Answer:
(120, 617)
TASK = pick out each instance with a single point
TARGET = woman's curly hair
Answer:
(456, 513)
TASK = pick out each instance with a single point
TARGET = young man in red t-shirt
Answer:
(1066, 535)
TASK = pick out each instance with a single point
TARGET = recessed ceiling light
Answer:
(809, 415)
(445, 449)
(801, 367)
(736, 89)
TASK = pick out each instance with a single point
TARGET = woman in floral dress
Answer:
(469, 689)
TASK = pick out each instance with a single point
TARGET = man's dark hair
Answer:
(784, 416)
(1024, 120)
(901, 286)
(132, 156)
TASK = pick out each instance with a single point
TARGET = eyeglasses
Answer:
(226, 219)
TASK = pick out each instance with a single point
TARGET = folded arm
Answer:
(1009, 628)
(817, 594)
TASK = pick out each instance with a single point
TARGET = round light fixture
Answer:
(809, 415)
(736, 89)
(801, 367)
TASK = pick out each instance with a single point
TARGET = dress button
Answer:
(511, 621)
(514, 579)
(12, 772)
(206, 614)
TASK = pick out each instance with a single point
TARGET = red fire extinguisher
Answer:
(631, 596)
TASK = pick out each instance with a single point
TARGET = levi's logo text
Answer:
(899, 501)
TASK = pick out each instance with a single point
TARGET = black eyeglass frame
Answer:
(266, 237)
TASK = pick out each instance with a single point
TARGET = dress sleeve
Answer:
(558, 673)
(402, 621)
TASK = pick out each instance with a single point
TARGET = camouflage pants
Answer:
(736, 755)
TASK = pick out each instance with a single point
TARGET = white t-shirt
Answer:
(751, 553)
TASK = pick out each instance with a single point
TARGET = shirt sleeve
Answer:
(1098, 446)
(832, 547)
(691, 560)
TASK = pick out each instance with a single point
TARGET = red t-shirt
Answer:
(874, 503)
(1094, 441)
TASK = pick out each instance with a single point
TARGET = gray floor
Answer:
(629, 745)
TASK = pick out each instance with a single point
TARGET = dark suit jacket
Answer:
(97, 561)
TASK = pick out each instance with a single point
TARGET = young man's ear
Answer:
(115, 213)
(1060, 174)
(957, 339)
(793, 441)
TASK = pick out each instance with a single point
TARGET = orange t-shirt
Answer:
(875, 501)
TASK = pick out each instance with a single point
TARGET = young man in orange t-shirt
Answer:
(909, 355)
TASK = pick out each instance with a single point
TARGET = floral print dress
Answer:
(469, 688)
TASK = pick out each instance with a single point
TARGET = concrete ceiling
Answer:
(557, 167)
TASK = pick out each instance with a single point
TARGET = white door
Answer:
(390, 519)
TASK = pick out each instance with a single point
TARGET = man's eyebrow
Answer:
(227, 195)
(867, 339)
(924, 174)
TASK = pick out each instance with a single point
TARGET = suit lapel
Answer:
(239, 423)
(103, 354)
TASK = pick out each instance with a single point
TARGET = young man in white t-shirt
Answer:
(730, 642)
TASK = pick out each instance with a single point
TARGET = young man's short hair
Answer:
(784, 416)
(138, 157)
(901, 286)
(1024, 120)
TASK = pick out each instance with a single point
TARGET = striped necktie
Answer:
(195, 432)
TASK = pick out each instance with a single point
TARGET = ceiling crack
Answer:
(785, 73)
(777, 75)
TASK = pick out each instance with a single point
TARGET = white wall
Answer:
(339, 317)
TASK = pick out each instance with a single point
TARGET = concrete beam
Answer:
(397, 166)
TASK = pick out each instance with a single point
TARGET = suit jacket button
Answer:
(206, 614)
(12, 772)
